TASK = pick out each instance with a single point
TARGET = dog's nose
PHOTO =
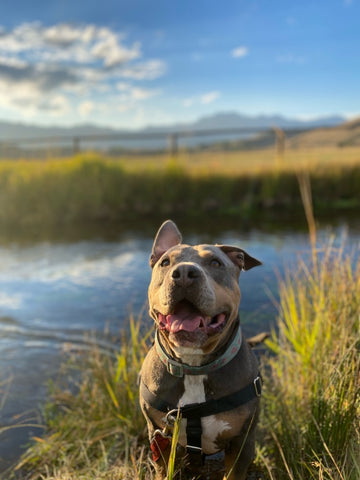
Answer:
(185, 274)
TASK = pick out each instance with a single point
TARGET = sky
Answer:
(134, 63)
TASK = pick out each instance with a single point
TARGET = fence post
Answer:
(280, 142)
(173, 143)
(76, 145)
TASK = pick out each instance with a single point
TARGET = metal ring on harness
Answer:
(172, 416)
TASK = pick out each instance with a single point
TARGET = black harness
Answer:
(195, 411)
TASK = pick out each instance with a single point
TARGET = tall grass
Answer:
(95, 428)
(312, 395)
(311, 404)
(89, 188)
(310, 409)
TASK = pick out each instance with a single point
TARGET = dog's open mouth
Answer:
(186, 317)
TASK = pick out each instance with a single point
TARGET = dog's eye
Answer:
(165, 263)
(215, 263)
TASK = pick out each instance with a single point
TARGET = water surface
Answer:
(52, 294)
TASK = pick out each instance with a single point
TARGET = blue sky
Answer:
(132, 63)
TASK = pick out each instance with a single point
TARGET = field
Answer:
(89, 188)
(310, 426)
(310, 423)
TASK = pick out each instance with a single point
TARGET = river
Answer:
(54, 293)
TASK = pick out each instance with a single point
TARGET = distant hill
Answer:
(345, 135)
(238, 120)
(10, 131)
(220, 120)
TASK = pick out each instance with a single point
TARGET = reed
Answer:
(311, 408)
(94, 426)
(90, 188)
(171, 473)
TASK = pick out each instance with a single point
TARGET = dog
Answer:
(200, 368)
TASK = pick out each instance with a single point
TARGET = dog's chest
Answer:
(211, 426)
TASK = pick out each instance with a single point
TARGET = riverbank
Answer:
(311, 404)
(89, 189)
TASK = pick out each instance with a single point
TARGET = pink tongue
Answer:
(184, 319)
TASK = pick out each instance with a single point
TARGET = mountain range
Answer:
(226, 120)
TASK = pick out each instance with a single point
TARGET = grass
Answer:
(92, 188)
(311, 405)
(94, 425)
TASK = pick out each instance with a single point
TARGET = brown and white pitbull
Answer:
(199, 362)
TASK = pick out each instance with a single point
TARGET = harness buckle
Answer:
(171, 417)
(258, 385)
(176, 370)
(161, 433)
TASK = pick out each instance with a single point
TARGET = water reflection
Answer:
(52, 294)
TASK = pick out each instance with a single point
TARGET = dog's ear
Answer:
(168, 236)
(238, 256)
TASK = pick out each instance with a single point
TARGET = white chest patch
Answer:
(211, 427)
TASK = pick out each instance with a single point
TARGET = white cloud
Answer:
(61, 42)
(130, 92)
(188, 102)
(149, 70)
(30, 100)
(85, 108)
(11, 301)
(57, 105)
(12, 62)
(142, 93)
(66, 34)
(123, 86)
(209, 97)
(42, 67)
(351, 115)
(239, 52)
(204, 99)
(113, 53)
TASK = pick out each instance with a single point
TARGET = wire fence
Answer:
(152, 142)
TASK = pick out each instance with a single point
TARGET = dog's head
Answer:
(194, 294)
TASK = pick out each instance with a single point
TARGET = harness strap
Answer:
(193, 436)
(210, 407)
(195, 411)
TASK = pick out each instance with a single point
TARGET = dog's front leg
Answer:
(238, 457)
(160, 449)
(162, 461)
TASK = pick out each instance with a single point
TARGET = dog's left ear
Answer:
(238, 256)
(168, 236)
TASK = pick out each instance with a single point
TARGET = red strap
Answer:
(158, 445)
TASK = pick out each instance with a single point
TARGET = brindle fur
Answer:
(212, 289)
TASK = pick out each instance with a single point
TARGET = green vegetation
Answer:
(95, 428)
(311, 410)
(88, 188)
(310, 425)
